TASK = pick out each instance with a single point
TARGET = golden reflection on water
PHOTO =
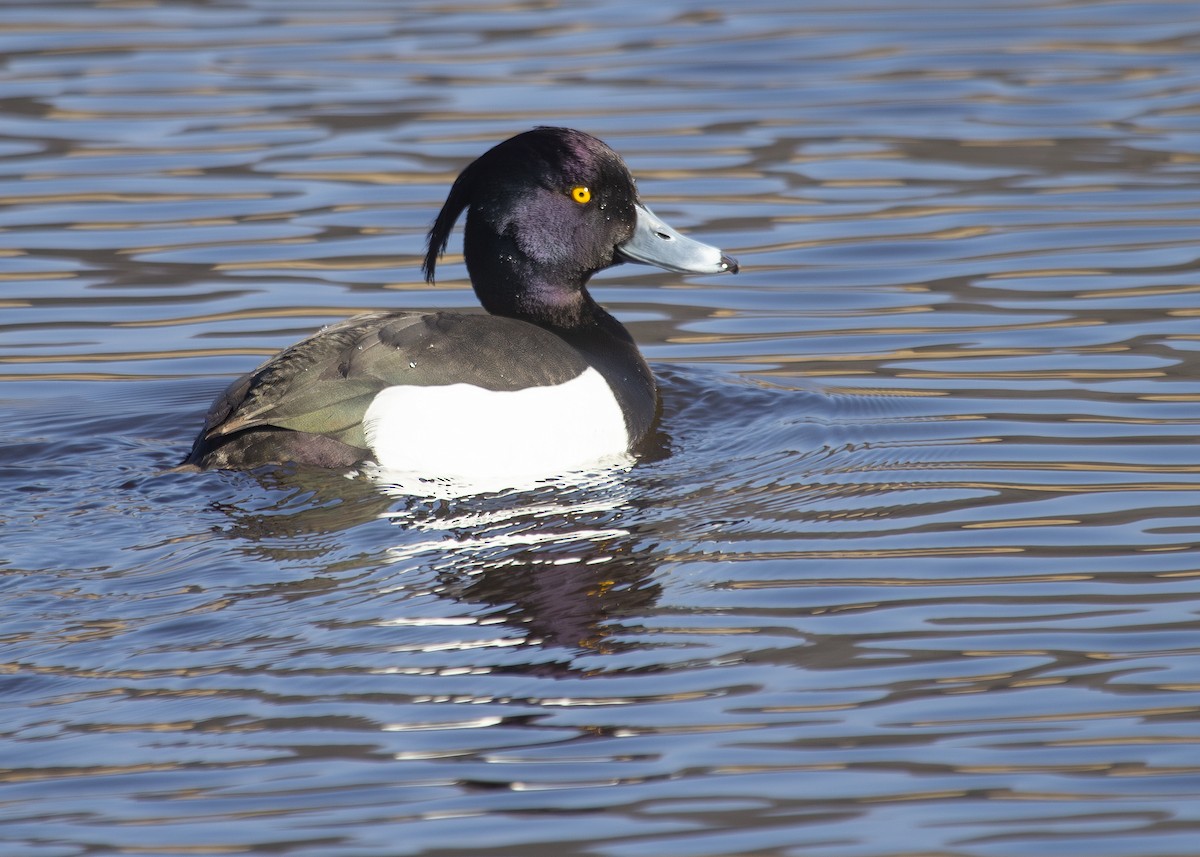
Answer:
(321, 264)
(134, 356)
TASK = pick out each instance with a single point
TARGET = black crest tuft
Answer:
(439, 233)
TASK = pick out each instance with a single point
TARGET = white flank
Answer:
(464, 431)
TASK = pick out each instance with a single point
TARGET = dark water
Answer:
(918, 574)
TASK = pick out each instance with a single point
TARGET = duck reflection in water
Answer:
(559, 565)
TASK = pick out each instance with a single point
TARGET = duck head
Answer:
(548, 208)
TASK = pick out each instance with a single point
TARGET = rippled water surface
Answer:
(915, 573)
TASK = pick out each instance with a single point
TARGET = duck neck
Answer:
(518, 289)
(525, 292)
(538, 283)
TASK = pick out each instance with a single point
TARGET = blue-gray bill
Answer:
(655, 243)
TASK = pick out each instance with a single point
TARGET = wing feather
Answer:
(324, 384)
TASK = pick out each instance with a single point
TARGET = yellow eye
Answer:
(581, 194)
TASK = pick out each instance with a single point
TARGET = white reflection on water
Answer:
(401, 483)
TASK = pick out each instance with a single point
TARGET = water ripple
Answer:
(911, 567)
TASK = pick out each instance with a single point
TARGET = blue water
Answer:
(915, 567)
